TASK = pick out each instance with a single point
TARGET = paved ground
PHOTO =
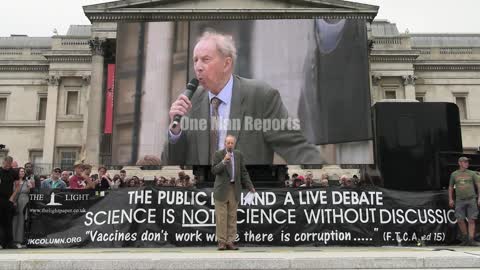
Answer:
(245, 258)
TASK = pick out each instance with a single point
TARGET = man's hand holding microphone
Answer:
(228, 157)
(182, 106)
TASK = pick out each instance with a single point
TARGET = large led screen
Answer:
(298, 93)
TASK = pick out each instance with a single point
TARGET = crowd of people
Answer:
(307, 180)
(83, 178)
(17, 182)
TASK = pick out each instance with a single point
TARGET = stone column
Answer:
(376, 94)
(51, 119)
(85, 93)
(94, 101)
(409, 83)
(156, 88)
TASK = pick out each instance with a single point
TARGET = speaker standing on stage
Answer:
(230, 173)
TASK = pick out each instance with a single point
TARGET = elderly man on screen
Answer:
(224, 97)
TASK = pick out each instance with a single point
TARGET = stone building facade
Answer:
(429, 68)
(44, 96)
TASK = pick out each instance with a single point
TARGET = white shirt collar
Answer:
(225, 94)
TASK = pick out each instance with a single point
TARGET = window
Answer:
(42, 108)
(391, 94)
(36, 157)
(420, 96)
(72, 103)
(67, 157)
(3, 108)
(462, 107)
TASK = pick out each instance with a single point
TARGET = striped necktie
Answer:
(214, 127)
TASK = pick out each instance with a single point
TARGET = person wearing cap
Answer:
(297, 182)
(54, 182)
(81, 179)
(466, 204)
(76, 180)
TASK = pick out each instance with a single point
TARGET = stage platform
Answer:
(245, 258)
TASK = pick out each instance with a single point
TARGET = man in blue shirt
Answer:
(54, 182)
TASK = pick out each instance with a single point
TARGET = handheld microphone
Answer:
(191, 88)
(229, 150)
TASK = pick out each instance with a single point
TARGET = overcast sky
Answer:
(40, 17)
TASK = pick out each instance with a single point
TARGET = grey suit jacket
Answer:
(251, 99)
(223, 174)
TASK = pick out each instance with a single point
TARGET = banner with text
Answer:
(151, 217)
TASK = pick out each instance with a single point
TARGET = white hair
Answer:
(224, 43)
(230, 136)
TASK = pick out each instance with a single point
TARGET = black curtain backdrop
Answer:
(335, 103)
